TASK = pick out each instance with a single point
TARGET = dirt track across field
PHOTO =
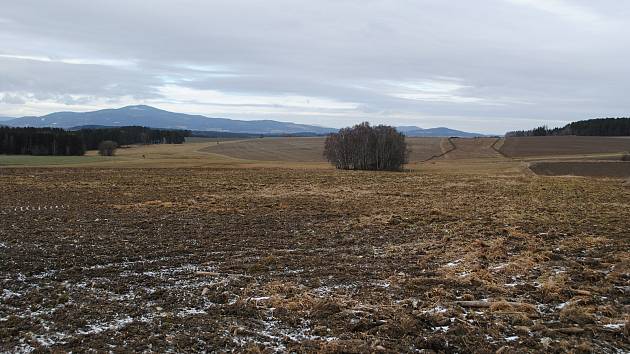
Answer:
(472, 148)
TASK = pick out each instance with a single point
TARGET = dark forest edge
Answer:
(590, 127)
(56, 141)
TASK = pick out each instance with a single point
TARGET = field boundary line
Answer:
(453, 147)
(493, 146)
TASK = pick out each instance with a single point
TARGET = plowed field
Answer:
(312, 260)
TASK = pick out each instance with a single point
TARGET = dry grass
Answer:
(230, 153)
(306, 149)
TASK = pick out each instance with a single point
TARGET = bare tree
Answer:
(363, 147)
(107, 148)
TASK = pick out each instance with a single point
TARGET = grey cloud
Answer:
(54, 78)
(12, 99)
(528, 62)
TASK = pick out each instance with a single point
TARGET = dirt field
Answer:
(585, 168)
(307, 149)
(476, 148)
(272, 149)
(452, 260)
(564, 145)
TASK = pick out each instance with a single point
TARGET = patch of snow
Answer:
(115, 325)
(511, 339)
(437, 309)
(23, 347)
(325, 290)
(45, 274)
(499, 267)
(261, 298)
(130, 295)
(441, 329)
(190, 312)
(615, 325)
(382, 284)
(559, 270)
(7, 294)
(52, 339)
(293, 271)
(563, 305)
(453, 263)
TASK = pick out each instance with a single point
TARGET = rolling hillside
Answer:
(156, 118)
(443, 132)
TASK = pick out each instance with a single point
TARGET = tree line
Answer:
(56, 141)
(40, 141)
(92, 137)
(590, 127)
(363, 147)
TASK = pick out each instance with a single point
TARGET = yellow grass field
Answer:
(270, 152)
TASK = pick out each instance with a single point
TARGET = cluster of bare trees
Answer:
(107, 148)
(363, 147)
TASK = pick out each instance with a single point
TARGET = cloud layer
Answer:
(488, 65)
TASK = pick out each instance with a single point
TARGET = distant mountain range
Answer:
(412, 131)
(156, 118)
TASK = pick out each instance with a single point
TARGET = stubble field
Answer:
(309, 149)
(447, 259)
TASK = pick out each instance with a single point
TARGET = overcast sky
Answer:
(484, 65)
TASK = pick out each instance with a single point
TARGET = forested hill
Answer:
(148, 116)
(590, 127)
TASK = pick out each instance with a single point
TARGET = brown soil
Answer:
(273, 149)
(472, 148)
(563, 145)
(311, 260)
(424, 148)
(306, 149)
(584, 168)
